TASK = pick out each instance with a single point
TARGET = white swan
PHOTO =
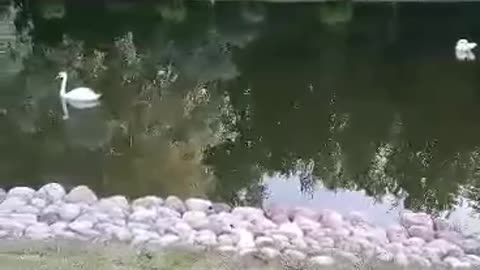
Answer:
(81, 97)
(463, 50)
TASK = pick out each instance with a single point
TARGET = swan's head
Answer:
(62, 75)
(465, 45)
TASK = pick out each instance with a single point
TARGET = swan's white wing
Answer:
(82, 94)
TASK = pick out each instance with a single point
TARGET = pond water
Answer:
(347, 106)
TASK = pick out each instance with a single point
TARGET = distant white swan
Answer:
(463, 50)
(81, 97)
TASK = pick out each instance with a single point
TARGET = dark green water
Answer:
(364, 97)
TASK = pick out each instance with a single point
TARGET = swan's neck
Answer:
(63, 86)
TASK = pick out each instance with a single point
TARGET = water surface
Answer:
(347, 106)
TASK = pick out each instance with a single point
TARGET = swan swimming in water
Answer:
(463, 50)
(81, 97)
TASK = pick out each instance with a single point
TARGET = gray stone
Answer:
(3, 194)
(81, 194)
(148, 202)
(322, 261)
(69, 211)
(52, 192)
(441, 224)
(48, 218)
(196, 219)
(196, 204)
(24, 193)
(471, 246)
(175, 203)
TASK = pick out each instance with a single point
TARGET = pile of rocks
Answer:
(301, 234)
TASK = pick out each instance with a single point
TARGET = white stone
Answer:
(269, 252)
(245, 238)
(261, 224)
(10, 224)
(455, 263)
(227, 249)
(226, 240)
(414, 241)
(196, 204)
(24, 193)
(281, 241)
(142, 236)
(58, 226)
(143, 215)
(115, 206)
(24, 218)
(332, 219)
(28, 209)
(182, 229)
(164, 212)
(419, 260)
(473, 259)
(247, 213)
(38, 203)
(306, 224)
(138, 225)
(206, 238)
(409, 219)
(423, 232)
(167, 240)
(83, 227)
(397, 233)
(299, 243)
(196, 219)
(39, 231)
(401, 259)
(263, 241)
(11, 204)
(81, 194)
(69, 211)
(147, 202)
(441, 224)
(175, 203)
(295, 254)
(290, 230)
(322, 260)
(442, 247)
(52, 192)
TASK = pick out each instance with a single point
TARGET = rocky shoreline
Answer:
(318, 237)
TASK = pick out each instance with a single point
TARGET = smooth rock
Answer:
(38, 203)
(269, 252)
(39, 231)
(52, 192)
(227, 249)
(247, 213)
(27, 219)
(196, 219)
(167, 240)
(421, 231)
(206, 238)
(245, 238)
(264, 241)
(83, 227)
(322, 260)
(290, 230)
(401, 259)
(24, 193)
(332, 219)
(414, 241)
(121, 234)
(28, 209)
(455, 263)
(11, 204)
(143, 215)
(396, 233)
(175, 203)
(226, 240)
(69, 211)
(473, 259)
(81, 194)
(147, 202)
(441, 224)
(115, 206)
(165, 212)
(409, 219)
(294, 254)
(196, 204)
(11, 224)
